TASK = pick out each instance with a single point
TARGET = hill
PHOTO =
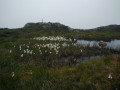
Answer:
(109, 28)
(40, 26)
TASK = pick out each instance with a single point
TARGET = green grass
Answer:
(48, 73)
(92, 75)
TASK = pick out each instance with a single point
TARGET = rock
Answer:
(29, 24)
(102, 44)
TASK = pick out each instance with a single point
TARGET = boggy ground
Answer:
(31, 64)
(92, 75)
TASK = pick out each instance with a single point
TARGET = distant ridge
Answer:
(103, 28)
(108, 28)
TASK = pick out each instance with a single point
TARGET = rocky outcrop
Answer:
(29, 24)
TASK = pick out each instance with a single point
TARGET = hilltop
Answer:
(47, 26)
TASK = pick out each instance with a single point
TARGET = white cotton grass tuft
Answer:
(10, 51)
(51, 38)
(21, 55)
(110, 76)
(13, 74)
(51, 45)
(20, 47)
(24, 51)
(81, 50)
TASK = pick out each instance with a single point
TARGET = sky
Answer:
(79, 14)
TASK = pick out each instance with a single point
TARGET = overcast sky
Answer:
(74, 13)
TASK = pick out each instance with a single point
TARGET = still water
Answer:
(114, 44)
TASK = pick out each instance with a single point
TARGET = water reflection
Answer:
(114, 44)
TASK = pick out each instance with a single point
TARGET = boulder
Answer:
(102, 44)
